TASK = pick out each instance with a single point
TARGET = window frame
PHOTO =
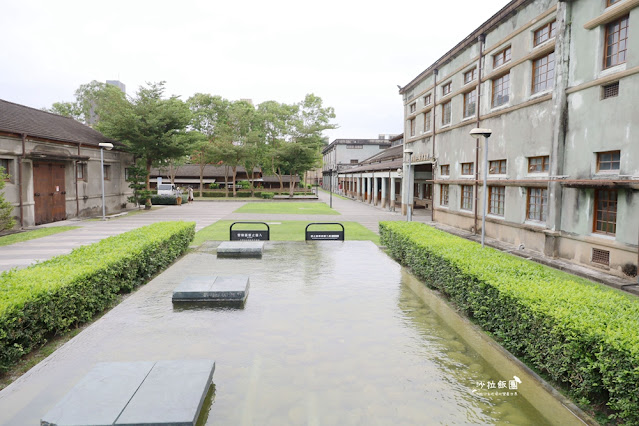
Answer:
(541, 213)
(427, 99)
(470, 104)
(7, 169)
(412, 126)
(444, 194)
(612, 161)
(505, 55)
(500, 201)
(500, 163)
(81, 167)
(549, 82)
(605, 212)
(545, 164)
(607, 46)
(447, 170)
(550, 34)
(497, 83)
(447, 105)
(611, 2)
(471, 168)
(466, 198)
(446, 88)
(470, 75)
(107, 171)
(428, 118)
(412, 107)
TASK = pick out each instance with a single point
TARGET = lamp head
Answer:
(478, 132)
(106, 145)
(408, 151)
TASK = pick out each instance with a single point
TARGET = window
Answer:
(107, 172)
(412, 127)
(445, 170)
(610, 90)
(354, 146)
(412, 107)
(605, 212)
(615, 41)
(496, 200)
(82, 171)
(538, 164)
(497, 167)
(428, 118)
(470, 75)
(5, 164)
(427, 99)
(501, 58)
(354, 161)
(470, 104)
(543, 73)
(537, 204)
(608, 161)
(611, 2)
(446, 113)
(501, 87)
(544, 33)
(468, 168)
(127, 174)
(467, 197)
(443, 195)
(446, 89)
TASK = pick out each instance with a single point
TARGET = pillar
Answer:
(383, 192)
(391, 194)
(375, 190)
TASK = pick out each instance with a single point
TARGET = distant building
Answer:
(117, 84)
(342, 154)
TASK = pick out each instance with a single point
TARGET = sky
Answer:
(351, 53)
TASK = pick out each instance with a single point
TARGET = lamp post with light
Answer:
(409, 212)
(477, 133)
(108, 147)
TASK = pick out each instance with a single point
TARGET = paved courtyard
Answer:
(203, 213)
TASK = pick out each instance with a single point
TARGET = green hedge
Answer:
(164, 200)
(52, 296)
(268, 195)
(581, 334)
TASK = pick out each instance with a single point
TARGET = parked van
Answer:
(167, 189)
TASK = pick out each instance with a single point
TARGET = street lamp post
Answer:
(409, 211)
(477, 133)
(108, 147)
(330, 187)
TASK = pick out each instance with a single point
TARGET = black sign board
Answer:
(250, 234)
(324, 235)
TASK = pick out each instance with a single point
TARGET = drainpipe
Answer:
(480, 40)
(77, 200)
(20, 183)
(435, 72)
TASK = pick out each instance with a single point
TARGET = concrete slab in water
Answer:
(213, 289)
(240, 249)
(171, 395)
(100, 397)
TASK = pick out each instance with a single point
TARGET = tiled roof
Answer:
(20, 119)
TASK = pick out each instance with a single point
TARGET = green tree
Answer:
(137, 182)
(148, 124)
(6, 208)
(89, 99)
(203, 152)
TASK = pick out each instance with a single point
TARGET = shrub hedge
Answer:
(268, 195)
(52, 296)
(163, 200)
(582, 334)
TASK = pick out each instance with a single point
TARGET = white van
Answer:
(167, 189)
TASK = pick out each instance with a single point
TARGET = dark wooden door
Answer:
(49, 192)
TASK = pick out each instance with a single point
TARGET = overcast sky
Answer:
(352, 54)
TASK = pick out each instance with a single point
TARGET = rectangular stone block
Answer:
(232, 289)
(171, 395)
(101, 395)
(240, 249)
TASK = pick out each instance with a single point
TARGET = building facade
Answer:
(556, 82)
(53, 164)
(342, 154)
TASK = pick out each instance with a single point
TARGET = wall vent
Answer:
(610, 90)
(602, 257)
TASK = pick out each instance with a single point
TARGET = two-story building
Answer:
(557, 83)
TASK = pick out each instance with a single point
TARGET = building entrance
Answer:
(49, 192)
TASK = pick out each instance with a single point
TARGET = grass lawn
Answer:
(287, 207)
(286, 230)
(32, 235)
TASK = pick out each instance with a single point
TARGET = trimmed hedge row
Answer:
(164, 200)
(581, 334)
(52, 296)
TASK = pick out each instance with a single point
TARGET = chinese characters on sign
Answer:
(497, 388)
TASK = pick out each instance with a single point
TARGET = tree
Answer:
(148, 124)
(203, 152)
(137, 182)
(6, 208)
(89, 99)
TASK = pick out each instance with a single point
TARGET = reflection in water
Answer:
(330, 334)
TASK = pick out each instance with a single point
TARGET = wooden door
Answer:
(49, 192)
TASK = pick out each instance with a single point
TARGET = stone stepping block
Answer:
(229, 289)
(240, 249)
(167, 393)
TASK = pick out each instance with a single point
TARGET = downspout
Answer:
(435, 72)
(24, 139)
(77, 200)
(480, 40)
